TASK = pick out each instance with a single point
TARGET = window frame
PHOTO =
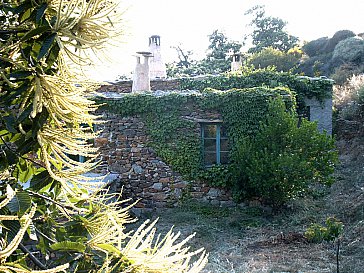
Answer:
(218, 139)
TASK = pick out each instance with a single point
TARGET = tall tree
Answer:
(46, 119)
(217, 59)
(269, 31)
(186, 65)
(184, 56)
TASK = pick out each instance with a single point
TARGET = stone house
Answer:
(141, 173)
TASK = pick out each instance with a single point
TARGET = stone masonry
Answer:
(156, 84)
(142, 175)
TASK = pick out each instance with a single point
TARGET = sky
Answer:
(189, 22)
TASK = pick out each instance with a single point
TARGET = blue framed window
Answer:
(215, 144)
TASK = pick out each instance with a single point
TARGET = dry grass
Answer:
(345, 97)
(251, 240)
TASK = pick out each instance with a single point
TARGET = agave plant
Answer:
(46, 119)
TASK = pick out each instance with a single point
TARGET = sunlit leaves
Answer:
(69, 246)
(46, 122)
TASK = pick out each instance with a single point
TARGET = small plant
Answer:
(217, 175)
(332, 229)
(330, 232)
(349, 98)
(361, 97)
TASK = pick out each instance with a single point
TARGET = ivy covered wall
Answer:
(154, 139)
(172, 119)
(169, 125)
(303, 87)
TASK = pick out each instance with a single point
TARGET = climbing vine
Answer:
(303, 87)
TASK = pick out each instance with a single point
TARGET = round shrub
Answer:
(316, 66)
(338, 36)
(349, 50)
(283, 160)
(282, 61)
(314, 48)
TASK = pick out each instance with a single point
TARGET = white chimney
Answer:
(141, 77)
(157, 66)
(237, 62)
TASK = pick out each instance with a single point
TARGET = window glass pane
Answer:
(210, 158)
(224, 145)
(210, 131)
(210, 145)
(223, 131)
(224, 157)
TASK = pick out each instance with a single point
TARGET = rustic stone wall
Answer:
(156, 84)
(141, 173)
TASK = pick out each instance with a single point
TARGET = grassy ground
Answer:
(253, 239)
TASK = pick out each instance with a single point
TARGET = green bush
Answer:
(345, 71)
(336, 38)
(317, 233)
(282, 161)
(349, 50)
(361, 96)
(282, 61)
(314, 48)
(319, 65)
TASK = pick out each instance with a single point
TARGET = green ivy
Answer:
(175, 138)
(320, 88)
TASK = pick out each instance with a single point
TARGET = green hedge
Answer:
(320, 88)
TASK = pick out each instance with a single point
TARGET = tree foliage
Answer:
(349, 50)
(269, 31)
(282, 161)
(338, 57)
(270, 57)
(46, 121)
(217, 59)
(314, 48)
(186, 65)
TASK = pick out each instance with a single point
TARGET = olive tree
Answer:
(269, 31)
